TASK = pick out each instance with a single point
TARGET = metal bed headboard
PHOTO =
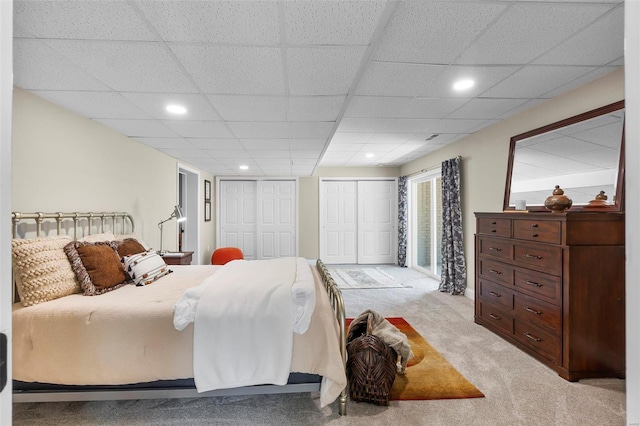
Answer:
(76, 218)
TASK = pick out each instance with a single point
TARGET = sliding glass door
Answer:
(425, 225)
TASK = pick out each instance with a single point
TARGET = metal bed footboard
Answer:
(335, 297)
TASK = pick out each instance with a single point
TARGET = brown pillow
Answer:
(97, 266)
(129, 246)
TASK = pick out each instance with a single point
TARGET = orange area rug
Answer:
(428, 374)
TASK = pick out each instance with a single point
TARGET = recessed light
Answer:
(244, 167)
(463, 84)
(369, 155)
(176, 109)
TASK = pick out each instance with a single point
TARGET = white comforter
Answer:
(244, 319)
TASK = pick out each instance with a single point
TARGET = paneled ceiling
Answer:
(283, 87)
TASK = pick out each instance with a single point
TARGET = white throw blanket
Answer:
(244, 317)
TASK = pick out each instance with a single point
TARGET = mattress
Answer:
(127, 336)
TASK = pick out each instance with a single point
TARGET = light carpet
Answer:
(364, 278)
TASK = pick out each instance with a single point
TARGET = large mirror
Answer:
(584, 155)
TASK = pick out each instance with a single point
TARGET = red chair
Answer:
(226, 254)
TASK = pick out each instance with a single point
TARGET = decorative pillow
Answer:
(96, 238)
(97, 266)
(129, 246)
(145, 268)
(135, 237)
(42, 270)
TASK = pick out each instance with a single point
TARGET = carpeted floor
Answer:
(518, 390)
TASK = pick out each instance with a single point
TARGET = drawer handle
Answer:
(532, 337)
(534, 235)
(532, 256)
(493, 293)
(495, 248)
(494, 222)
(493, 271)
(533, 311)
(494, 230)
(495, 317)
(534, 225)
(535, 284)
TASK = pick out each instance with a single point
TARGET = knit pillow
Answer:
(97, 266)
(145, 268)
(41, 269)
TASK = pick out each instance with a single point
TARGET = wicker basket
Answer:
(371, 364)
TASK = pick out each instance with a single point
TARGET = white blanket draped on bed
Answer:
(244, 322)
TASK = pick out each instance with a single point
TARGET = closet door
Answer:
(377, 217)
(339, 222)
(276, 219)
(238, 216)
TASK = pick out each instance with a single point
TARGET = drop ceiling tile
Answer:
(484, 78)
(304, 161)
(376, 106)
(590, 76)
(280, 161)
(315, 108)
(335, 157)
(265, 154)
(302, 170)
(37, 66)
(332, 23)
(267, 130)
(245, 70)
(19, 32)
(345, 147)
(167, 143)
(529, 104)
(199, 129)
(138, 128)
(395, 138)
(250, 108)
(481, 124)
(300, 155)
(395, 79)
(198, 108)
(362, 125)
(94, 104)
(265, 144)
(431, 126)
(85, 20)
(127, 66)
(599, 44)
(234, 154)
(307, 144)
(417, 24)
(431, 107)
(603, 158)
(528, 30)
(212, 144)
(323, 70)
(487, 108)
(535, 80)
(229, 22)
(184, 153)
(310, 130)
(348, 138)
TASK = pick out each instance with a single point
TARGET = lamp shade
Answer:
(177, 212)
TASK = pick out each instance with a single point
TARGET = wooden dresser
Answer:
(553, 285)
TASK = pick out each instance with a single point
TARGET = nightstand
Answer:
(178, 258)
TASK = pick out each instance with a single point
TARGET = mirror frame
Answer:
(618, 206)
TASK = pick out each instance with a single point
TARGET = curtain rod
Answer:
(425, 170)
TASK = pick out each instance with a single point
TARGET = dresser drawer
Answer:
(496, 272)
(496, 247)
(539, 257)
(537, 312)
(546, 231)
(497, 317)
(495, 294)
(545, 343)
(494, 226)
(545, 286)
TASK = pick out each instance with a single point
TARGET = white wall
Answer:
(484, 154)
(64, 162)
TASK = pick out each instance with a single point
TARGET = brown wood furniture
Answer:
(553, 284)
(183, 259)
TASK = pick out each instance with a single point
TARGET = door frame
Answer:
(257, 179)
(191, 208)
(321, 201)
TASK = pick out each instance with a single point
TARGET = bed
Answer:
(124, 344)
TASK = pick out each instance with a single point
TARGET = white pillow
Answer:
(97, 238)
(144, 268)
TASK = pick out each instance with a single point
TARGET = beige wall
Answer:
(64, 162)
(484, 154)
